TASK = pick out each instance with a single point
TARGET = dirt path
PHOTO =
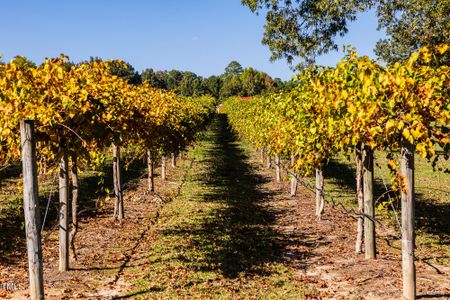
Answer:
(220, 228)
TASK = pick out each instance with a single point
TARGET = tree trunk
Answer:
(31, 210)
(277, 168)
(369, 205)
(408, 239)
(75, 191)
(118, 207)
(320, 201)
(360, 198)
(63, 214)
(163, 168)
(174, 161)
(261, 154)
(151, 181)
(269, 162)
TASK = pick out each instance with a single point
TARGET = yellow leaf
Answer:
(390, 124)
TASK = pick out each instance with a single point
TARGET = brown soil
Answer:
(321, 251)
(325, 255)
(104, 247)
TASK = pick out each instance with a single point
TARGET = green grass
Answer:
(215, 241)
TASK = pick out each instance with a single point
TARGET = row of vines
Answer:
(75, 114)
(357, 106)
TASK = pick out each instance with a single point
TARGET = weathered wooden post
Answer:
(151, 182)
(294, 181)
(408, 243)
(174, 161)
(75, 192)
(360, 198)
(277, 168)
(320, 201)
(163, 168)
(63, 214)
(117, 178)
(369, 206)
(31, 210)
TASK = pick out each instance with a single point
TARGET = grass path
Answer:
(215, 240)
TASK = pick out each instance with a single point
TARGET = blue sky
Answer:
(202, 36)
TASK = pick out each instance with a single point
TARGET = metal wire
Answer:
(390, 199)
(351, 212)
(50, 196)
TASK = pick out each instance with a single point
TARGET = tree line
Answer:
(234, 81)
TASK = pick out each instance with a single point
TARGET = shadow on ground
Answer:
(12, 233)
(431, 214)
(238, 238)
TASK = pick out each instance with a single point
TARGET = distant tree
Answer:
(213, 85)
(155, 79)
(232, 86)
(125, 70)
(234, 68)
(254, 82)
(191, 85)
(23, 62)
(278, 82)
(246, 82)
(173, 79)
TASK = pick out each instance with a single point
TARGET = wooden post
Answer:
(75, 192)
(294, 181)
(408, 239)
(360, 198)
(174, 161)
(369, 205)
(320, 201)
(269, 162)
(115, 185)
(118, 207)
(163, 168)
(151, 182)
(121, 213)
(277, 168)
(31, 210)
(63, 214)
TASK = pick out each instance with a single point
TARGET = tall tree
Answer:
(234, 68)
(232, 86)
(125, 70)
(254, 82)
(174, 78)
(411, 25)
(305, 29)
(155, 79)
(213, 85)
(191, 85)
